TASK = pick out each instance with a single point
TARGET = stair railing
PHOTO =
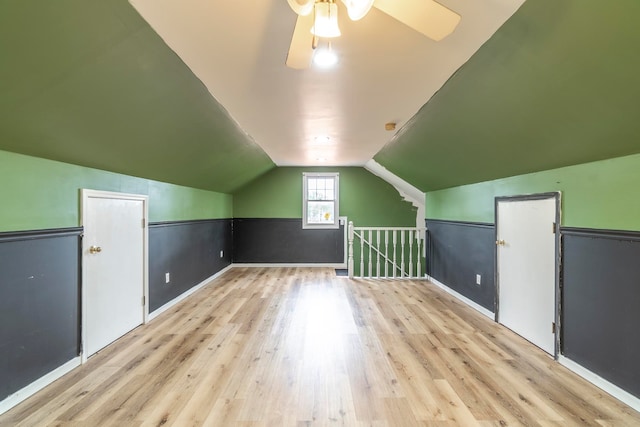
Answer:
(386, 252)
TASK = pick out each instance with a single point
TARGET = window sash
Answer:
(320, 200)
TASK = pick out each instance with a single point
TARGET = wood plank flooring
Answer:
(302, 347)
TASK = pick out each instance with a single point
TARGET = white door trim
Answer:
(86, 194)
(540, 196)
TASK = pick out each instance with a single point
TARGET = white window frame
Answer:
(336, 201)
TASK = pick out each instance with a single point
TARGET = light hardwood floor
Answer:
(302, 347)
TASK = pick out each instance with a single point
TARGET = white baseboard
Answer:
(22, 394)
(49, 378)
(601, 383)
(263, 265)
(472, 304)
(185, 294)
(200, 285)
(580, 370)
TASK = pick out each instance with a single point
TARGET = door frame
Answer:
(557, 195)
(85, 195)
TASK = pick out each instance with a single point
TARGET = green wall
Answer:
(603, 194)
(555, 86)
(366, 199)
(40, 194)
(90, 83)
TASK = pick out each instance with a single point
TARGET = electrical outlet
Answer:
(221, 254)
(478, 279)
(167, 278)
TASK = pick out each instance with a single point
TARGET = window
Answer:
(321, 195)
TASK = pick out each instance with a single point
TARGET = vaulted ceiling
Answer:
(89, 82)
(386, 71)
(557, 85)
(197, 93)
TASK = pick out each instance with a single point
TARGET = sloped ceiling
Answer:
(386, 71)
(557, 85)
(89, 82)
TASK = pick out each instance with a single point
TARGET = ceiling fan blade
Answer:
(301, 50)
(302, 7)
(357, 9)
(425, 16)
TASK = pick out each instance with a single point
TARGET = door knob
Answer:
(500, 242)
(95, 249)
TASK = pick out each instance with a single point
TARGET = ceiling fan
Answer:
(319, 19)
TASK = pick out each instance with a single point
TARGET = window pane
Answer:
(320, 189)
(329, 184)
(320, 213)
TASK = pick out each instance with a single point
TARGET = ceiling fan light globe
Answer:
(325, 58)
(325, 24)
(358, 9)
(302, 7)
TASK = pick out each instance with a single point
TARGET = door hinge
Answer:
(553, 327)
(554, 228)
(143, 223)
(143, 300)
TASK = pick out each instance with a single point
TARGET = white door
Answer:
(114, 267)
(526, 261)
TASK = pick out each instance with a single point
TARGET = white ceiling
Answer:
(386, 72)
